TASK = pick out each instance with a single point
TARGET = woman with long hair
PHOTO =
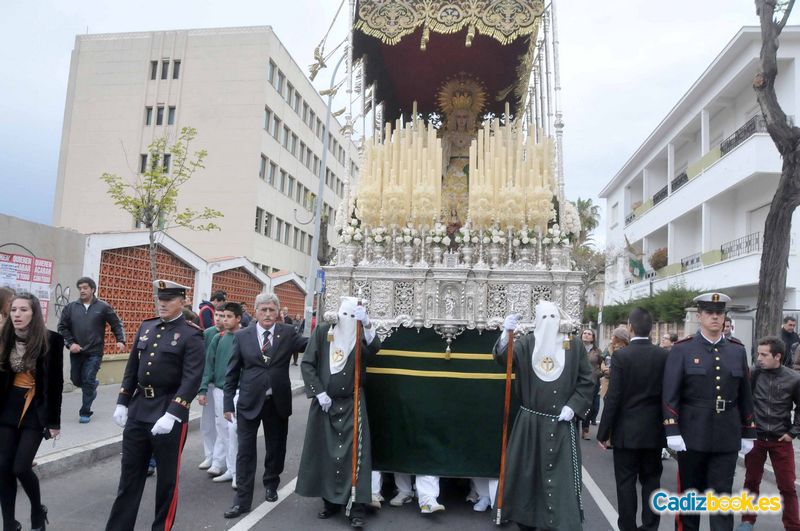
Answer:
(31, 383)
(595, 360)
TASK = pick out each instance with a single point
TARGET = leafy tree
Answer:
(667, 306)
(152, 196)
(589, 214)
(773, 15)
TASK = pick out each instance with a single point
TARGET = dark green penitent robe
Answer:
(325, 466)
(540, 475)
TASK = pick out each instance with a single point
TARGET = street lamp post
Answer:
(311, 281)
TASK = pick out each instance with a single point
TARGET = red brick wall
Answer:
(126, 285)
(291, 297)
(239, 285)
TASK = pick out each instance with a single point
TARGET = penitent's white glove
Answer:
(164, 424)
(324, 401)
(747, 445)
(360, 314)
(675, 442)
(566, 414)
(120, 416)
(511, 322)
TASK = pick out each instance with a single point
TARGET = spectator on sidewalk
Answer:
(31, 386)
(246, 317)
(207, 419)
(83, 327)
(776, 394)
(207, 308)
(217, 356)
(667, 340)
(727, 329)
(285, 315)
(789, 336)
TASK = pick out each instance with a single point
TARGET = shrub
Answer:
(659, 258)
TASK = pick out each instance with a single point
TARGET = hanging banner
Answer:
(22, 272)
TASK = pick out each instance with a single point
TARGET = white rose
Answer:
(428, 239)
(503, 241)
(486, 239)
(354, 222)
(526, 240)
(475, 239)
(378, 238)
(398, 239)
(515, 242)
(437, 239)
(546, 241)
(417, 241)
(407, 239)
(358, 237)
(346, 238)
(446, 240)
(495, 238)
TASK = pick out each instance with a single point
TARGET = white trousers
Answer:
(220, 454)
(427, 487)
(485, 487)
(208, 424)
(377, 483)
(233, 438)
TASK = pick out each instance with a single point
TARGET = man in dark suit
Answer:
(632, 421)
(259, 368)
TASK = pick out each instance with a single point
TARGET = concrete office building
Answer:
(256, 114)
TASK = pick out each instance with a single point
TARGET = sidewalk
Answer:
(82, 444)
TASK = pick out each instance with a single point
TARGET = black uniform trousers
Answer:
(631, 465)
(276, 429)
(138, 444)
(704, 471)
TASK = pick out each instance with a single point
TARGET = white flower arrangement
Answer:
(438, 236)
(555, 236)
(498, 236)
(571, 221)
(351, 231)
(408, 236)
(467, 237)
(378, 235)
(526, 237)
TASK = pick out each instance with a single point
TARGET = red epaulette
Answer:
(190, 323)
(687, 338)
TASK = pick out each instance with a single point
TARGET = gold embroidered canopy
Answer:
(503, 20)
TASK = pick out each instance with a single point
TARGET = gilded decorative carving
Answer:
(503, 20)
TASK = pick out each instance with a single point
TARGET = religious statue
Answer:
(461, 100)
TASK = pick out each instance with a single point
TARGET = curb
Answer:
(86, 454)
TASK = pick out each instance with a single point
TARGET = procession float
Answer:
(456, 219)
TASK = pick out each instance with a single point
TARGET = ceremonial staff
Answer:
(356, 418)
(506, 408)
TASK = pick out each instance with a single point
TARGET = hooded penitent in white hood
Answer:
(548, 349)
(344, 334)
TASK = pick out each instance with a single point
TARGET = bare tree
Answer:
(773, 15)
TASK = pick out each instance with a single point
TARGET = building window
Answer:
(614, 214)
(279, 227)
(305, 112)
(310, 240)
(285, 137)
(276, 127)
(316, 165)
(287, 232)
(164, 69)
(308, 158)
(279, 84)
(271, 72)
(273, 168)
(176, 69)
(296, 242)
(262, 169)
(311, 118)
(259, 219)
(143, 163)
(167, 161)
(267, 118)
(293, 145)
(299, 196)
(267, 224)
(296, 104)
(302, 240)
(148, 116)
(289, 93)
(160, 115)
(319, 129)
(171, 116)
(302, 153)
(290, 187)
(153, 69)
(282, 182)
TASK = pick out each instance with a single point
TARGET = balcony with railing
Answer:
(741, 246)
(660, 195)
(691, 262)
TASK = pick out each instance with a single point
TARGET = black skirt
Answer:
(11, 410)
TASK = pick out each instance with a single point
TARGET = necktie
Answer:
(266, 344)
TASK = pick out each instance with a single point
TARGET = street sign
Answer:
(321, 277)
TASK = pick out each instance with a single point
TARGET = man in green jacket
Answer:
(217, 356)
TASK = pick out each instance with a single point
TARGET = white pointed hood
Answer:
(548, 350)
(344, 334)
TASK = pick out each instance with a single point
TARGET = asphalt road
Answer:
(81, 499)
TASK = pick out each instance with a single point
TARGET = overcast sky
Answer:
(624, 64)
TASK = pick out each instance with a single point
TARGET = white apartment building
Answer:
(256, 113)
(700, 186)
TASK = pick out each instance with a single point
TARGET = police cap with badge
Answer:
(168, 290)
(712, 302)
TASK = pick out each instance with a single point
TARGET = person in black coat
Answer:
(259, 368)
(632, 421)
(31, 385)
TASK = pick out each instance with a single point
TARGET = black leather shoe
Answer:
(327, 513)
(236, 511)
(271, 496)
(357, 522)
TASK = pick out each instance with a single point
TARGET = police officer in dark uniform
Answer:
(708, 407)
(161, 379)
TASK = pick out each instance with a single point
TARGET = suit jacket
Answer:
(248, 371)
(632, 415)
(49, 382)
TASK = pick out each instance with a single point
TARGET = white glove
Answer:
(675, 442)
(566, 414)
(324, 401)
(511, 322)
(361, 315)
(747, 445)
(120, 416)
(164, 424)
